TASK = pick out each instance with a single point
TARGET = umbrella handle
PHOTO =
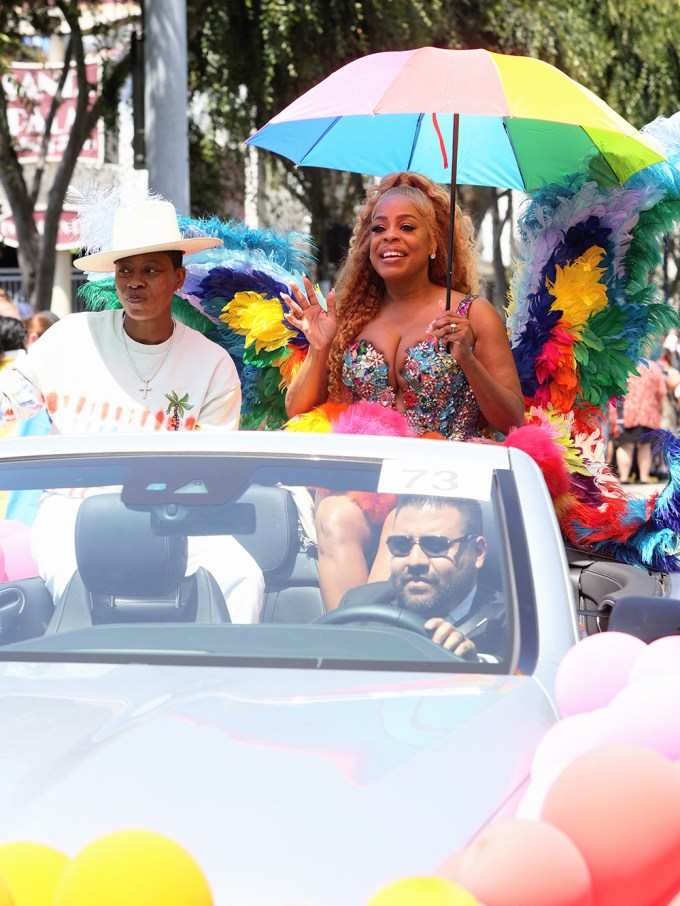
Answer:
(452, 219)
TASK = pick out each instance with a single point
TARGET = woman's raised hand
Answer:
(307, 314)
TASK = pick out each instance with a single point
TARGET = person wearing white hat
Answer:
(129, 370)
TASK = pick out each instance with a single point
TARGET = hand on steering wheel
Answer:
(380, 613)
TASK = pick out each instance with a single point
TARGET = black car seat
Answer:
(286, 557)
(126, 573)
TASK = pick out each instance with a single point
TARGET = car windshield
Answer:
(161, 544)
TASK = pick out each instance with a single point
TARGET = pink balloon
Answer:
(645, 713)
(524, 863)
(567, 739)
(16, 550)
(620, 805)
(594, 670)
(661, 656)
(531, 804)
(448, 867)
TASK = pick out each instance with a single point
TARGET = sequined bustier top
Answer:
(436, 394)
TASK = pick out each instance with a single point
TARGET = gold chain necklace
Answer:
(146, 381)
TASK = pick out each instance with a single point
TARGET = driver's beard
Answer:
(438, 605)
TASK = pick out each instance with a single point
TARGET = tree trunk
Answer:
(37, 253)
(500, 290)
(41, 299)
(28, 265)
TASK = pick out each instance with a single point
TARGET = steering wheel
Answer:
(376, 613)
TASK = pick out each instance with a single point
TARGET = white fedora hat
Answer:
(150, 226)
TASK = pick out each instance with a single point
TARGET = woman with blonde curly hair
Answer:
(387, 335)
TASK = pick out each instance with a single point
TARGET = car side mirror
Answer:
(646, 618)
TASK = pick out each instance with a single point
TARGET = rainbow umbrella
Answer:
(468, 116)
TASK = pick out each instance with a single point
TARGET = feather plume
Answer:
(290, 365)
(258, 320)
(97, 208)
(544, 447)
(371, 418)
(283, 252)
(317, 420)
(582, 269)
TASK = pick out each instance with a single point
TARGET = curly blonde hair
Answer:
(359, 290)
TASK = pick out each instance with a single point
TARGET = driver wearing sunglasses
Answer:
(437, 549)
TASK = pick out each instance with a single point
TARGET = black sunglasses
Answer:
(432, 545)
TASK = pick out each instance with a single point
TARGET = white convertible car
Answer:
(312, 757)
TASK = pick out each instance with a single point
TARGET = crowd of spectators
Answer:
(652, 401)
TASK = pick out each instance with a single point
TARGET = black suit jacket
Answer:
(486, 625)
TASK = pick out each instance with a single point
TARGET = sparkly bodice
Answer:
(436, 394)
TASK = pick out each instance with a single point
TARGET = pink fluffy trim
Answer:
(539, 442)
(371, 418)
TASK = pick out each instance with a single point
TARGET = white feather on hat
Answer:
(113, 225)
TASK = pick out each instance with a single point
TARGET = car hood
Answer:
(286, 785)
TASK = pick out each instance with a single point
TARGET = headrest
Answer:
(118, 555)
(276, 542)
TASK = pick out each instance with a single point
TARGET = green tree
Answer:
(24, 187)
(252, 57)
(249, 58)
(627, 53)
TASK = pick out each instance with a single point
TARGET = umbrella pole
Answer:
(452, 220)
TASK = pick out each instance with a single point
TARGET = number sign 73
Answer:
(438, 479)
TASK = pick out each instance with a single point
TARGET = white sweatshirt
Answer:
(80, 371)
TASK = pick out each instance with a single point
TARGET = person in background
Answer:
(8, 309)
(670, 407)
(642, 412)
(38, 323)
(36, 326)
(668, 360)
(13, 340)
(611, 430)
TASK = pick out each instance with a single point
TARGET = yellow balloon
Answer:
(31, 871)
(423, 891)
(6, 898)
(134, 868)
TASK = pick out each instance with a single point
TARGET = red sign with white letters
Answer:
(67, 238)
(29, 88)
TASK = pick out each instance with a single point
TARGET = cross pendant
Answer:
(145, 389)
